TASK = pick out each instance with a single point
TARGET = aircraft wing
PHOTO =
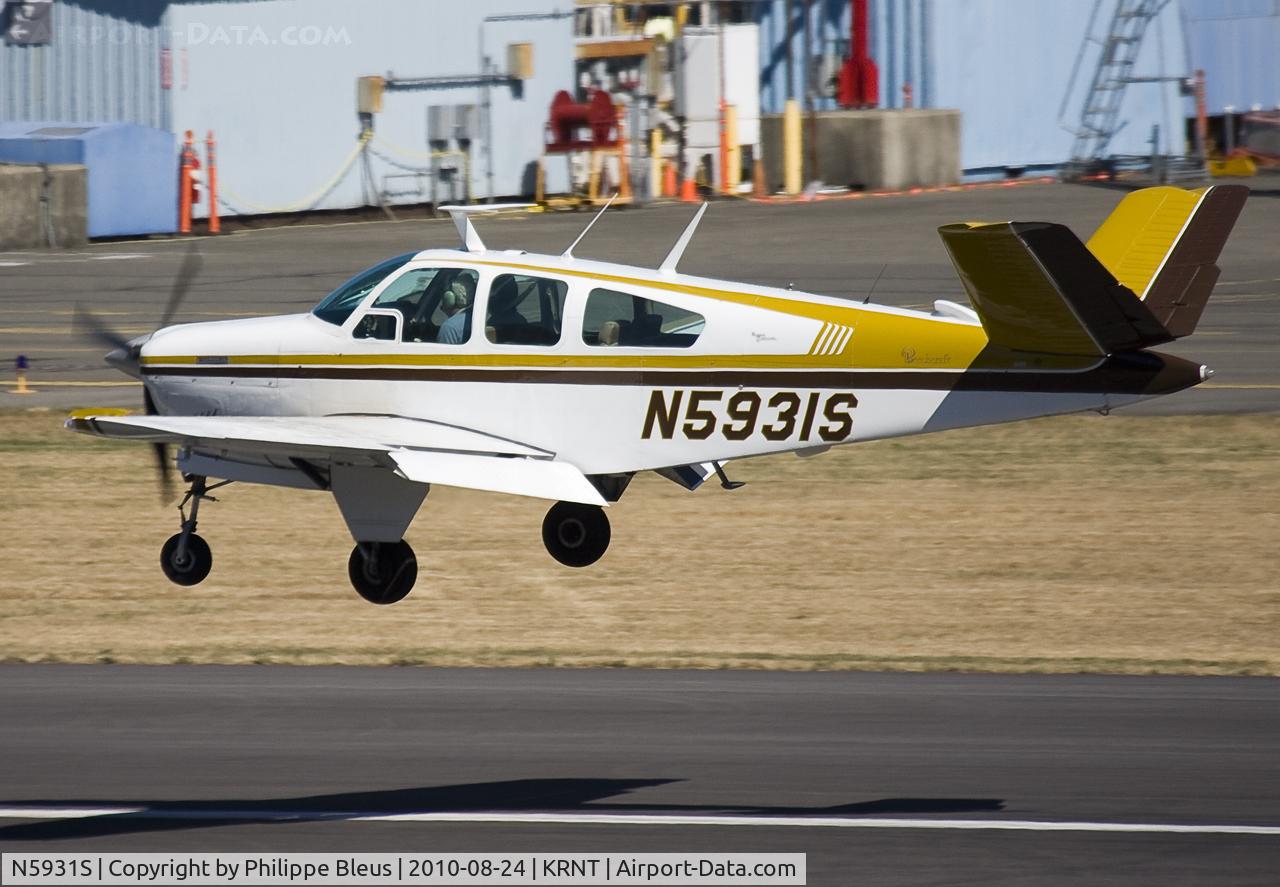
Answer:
(416, 449)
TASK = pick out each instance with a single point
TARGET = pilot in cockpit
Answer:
(456, 303)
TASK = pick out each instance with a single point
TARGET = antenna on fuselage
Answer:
(568, 253)
(668, 265)
(471, 241)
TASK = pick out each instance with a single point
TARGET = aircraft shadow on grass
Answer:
(577, 796)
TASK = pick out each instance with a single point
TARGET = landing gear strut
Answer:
(185, 557)
(576, 535)
(382, 572)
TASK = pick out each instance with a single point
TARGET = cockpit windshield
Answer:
(338, 305)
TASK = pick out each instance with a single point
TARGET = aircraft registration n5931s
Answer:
(561, 378)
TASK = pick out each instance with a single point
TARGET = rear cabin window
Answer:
(613, 318)
(525, 310)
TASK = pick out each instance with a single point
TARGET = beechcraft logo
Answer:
(910, 357)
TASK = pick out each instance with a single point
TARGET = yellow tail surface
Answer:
(1132, 242)
(1163, 244)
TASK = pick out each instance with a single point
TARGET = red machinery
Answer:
(569, 119)
(859, 82)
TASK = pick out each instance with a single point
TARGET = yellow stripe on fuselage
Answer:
(881, 340)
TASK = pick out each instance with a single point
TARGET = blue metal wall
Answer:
(1237, 43)
(1005, 64)
(103, 65)
(132, 172)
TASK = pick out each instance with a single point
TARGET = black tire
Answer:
(393, 572)
(576, 535)
(195, 564)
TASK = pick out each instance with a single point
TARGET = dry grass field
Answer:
(1124, 544)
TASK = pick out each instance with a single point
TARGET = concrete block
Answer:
(69, 204)
(22, 211)
(20, 207)
(875, 150)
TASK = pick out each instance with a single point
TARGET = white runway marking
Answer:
(642, 819)
(12, 259)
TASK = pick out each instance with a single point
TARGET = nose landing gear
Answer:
(185, 557)
(382, 572)
(576, 535)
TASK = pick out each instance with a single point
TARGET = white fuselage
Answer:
(771, 370)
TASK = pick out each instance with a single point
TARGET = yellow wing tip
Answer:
(91, 412)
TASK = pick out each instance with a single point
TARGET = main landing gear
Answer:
(382, 572)
(576, 535)
(185, 557)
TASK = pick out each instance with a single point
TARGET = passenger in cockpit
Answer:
(456, 302)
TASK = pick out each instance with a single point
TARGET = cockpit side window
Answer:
(614, 318)
(525, 310)
(434, 302)
(336, 307)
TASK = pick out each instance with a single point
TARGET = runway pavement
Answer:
(882, 248)
(882, 779)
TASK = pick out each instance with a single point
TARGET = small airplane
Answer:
(560, 378)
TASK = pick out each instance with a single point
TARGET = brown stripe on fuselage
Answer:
(1136, 373)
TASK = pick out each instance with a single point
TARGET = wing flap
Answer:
(301, 435)
(539, 478)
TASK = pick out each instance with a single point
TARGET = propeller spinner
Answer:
(126, 354)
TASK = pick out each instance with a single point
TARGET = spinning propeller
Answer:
(126, 354)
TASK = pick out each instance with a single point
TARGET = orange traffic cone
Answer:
(668, 180)
(689, 190)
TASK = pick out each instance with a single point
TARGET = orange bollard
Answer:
(185, 186)
(211, 161)
(689, 190)
(669, 179)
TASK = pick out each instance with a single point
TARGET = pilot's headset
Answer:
(457, 297)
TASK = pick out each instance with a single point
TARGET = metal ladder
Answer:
(1118, 51)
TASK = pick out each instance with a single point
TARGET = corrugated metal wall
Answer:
(1005, 64)
(1237, 43)
(102, 65)
(900, 36)
(276, 82)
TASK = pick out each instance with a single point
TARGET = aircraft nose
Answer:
(1205, 373)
